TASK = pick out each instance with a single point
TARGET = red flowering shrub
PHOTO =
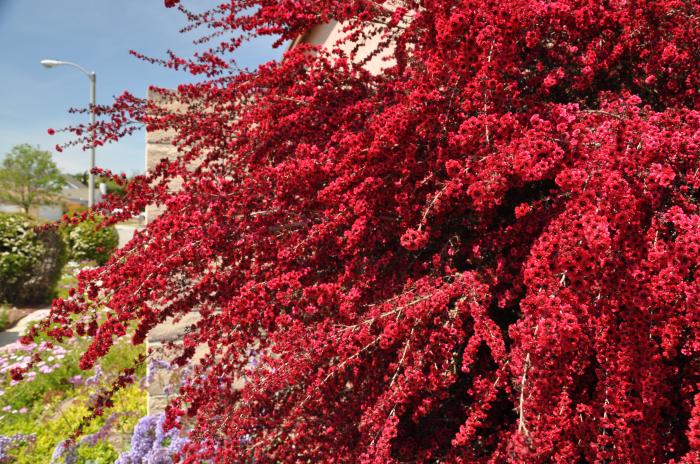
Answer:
(486, 253)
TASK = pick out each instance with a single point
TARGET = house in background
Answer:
(46, 212)
(74, 196)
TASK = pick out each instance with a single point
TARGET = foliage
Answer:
(114, 187)
(82, 176)
(486, 252)
(69, 278)
(40, 285)
(73, 209)
(19, 248)
(88, 240)
(31, 259)
(9, 444)
(50, 403)
(29, 177)
(4, 317)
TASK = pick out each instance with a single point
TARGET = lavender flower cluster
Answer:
(8, 444)
(150, 444)
(104, 431)
(64, 453)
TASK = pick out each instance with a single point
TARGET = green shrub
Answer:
(87, 241)
(30, 260)
(19, 248)
(4, 317)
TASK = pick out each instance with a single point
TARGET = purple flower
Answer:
(92, 439)
(8, 444)
(94, 379)
(154, 365)
(65, 450)
(46, 369)
(148, 443)
(59, 350)
(27, 348)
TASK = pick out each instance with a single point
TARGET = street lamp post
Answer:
(93, 93)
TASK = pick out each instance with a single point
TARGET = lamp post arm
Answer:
(77, 66)
(92, 77)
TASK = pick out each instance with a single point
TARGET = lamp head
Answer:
(50, 63)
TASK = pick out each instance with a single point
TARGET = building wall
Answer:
(10, 209)
(46, 212)
(159, 146)
(50, 212)
(330, 33)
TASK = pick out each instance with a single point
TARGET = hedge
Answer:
(88, 241)
(31, 260)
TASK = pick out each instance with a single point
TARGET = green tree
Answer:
(29, 177)
(112, 186)
(82, 176)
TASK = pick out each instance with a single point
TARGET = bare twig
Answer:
(403, 356)
(522, 427)
(606, 113)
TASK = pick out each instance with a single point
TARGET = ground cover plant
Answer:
(4, 317)
(487, 252)
(40, 414)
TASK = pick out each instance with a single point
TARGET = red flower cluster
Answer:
(414, 239)
(487, 253)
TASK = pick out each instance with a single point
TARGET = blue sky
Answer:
(97, 34)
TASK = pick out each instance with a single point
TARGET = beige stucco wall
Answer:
(329, 34)
(163, 382)
(159, 146)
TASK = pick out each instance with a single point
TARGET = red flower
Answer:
(17, 373)
(546, 309)
(414, 239)
(453, 168)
